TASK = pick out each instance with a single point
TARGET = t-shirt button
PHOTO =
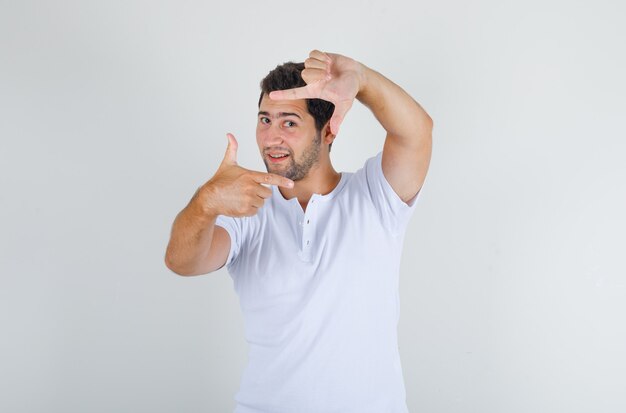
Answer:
(307, 243)
(307, 221)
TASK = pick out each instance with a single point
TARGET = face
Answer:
(287, 138)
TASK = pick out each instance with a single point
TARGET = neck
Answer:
(320, 180)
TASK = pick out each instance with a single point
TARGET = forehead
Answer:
(273, 107)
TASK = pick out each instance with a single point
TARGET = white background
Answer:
(112, 113)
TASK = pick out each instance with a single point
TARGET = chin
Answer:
(280, 172)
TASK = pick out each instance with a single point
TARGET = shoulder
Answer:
(392, 210)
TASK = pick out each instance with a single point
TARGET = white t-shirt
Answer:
(320, 300)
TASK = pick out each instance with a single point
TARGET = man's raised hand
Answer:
(235, 191)
(331, 77)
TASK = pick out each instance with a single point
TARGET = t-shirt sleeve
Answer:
(233, 227)
(393, 211)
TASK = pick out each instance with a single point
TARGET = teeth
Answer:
(278, 156)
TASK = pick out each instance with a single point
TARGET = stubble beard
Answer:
(297, 170)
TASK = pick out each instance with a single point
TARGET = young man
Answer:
(315, 256)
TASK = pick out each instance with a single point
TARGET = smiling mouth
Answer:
(278, 157)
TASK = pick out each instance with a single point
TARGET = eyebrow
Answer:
(281, 114)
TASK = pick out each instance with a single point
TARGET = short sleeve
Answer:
(394, 212)
(233, 228)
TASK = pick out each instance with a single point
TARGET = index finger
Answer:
(272, 179)
(295, 93)
(341, 109)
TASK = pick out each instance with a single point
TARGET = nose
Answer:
(272, 136)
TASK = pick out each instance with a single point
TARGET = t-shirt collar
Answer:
(320, 197)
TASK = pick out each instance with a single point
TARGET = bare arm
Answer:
(408, 145)
(198, 246)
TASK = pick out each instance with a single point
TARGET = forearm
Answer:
(398, 113)
(190, 239)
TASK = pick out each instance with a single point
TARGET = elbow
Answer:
(422, 130)
(176, 269)
(428, 124)
(182, 270)
(428, 132)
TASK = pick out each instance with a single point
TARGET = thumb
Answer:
(341, 109)
(231, 150)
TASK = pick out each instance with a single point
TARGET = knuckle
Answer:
(250, 192)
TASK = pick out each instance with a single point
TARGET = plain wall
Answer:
(112, 113)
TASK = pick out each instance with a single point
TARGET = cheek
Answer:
(259, 138)
(261, 132)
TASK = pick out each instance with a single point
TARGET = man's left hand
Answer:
(331, 77)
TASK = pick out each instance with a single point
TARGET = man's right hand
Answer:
(235, 191)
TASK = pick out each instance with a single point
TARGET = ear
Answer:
(327, 135)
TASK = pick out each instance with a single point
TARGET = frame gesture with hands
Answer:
(331, 77)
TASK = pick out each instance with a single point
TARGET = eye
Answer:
(263, 119)
(290, 123)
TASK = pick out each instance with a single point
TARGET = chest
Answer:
(291, 250)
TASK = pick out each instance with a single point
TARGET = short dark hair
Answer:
(289, 76)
